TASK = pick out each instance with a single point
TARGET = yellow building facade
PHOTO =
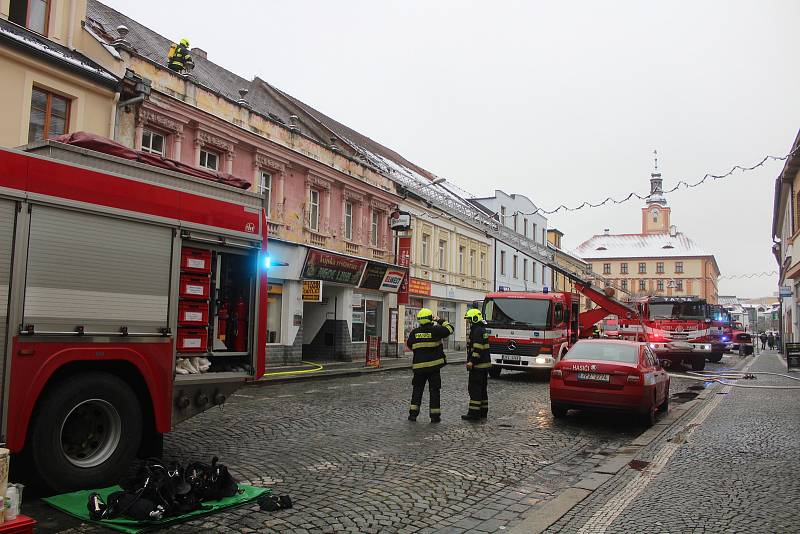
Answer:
(658, 261)
(54, 79)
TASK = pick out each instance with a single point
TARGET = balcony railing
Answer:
(352, 248)
(378, 254)
(274, 228)
(317, 239)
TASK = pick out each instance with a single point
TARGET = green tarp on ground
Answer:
(74, 504)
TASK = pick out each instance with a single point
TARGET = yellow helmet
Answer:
(185, 41)
(424, 315)
(474, 315)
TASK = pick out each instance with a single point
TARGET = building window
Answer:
(642, 268)
(461, 260)
(679, 267)
(442, 254)
(210, 160)
(503, 262)
(642, 285)
(313, 209)
(514, 267)
(624, 284)
(503, 215)
(515, 221)
(660, 285)
(472, 263)
(606, 268)
(659, 267)
(533, 231)
(367, 315)
(426, 249)
(33, 14)
(348, 220)
(544, 236)
(533, 272)
(483, 265)
(678, 285)
(153, 142)
(525, 268)
(274, 304)
(623, 268)
(49, 115)
(265, 188)
(374, 233)
(525, 227)
(591, 267)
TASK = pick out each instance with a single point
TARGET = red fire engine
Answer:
(114, 276)
(677, 328)
(532, 331)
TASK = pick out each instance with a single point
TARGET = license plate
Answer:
(511, 357)
(594, 377)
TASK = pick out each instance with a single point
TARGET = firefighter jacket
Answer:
(179, 58)
(426, 342)
(478, 346)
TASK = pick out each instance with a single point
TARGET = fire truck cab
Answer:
(530, 331)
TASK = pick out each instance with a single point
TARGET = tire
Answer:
(495, 371)
(66, 454)
(698, 364)
(649, 418)
(664, 406)
(742, 349)
(559, 410)
(748, 350)
(715, 357)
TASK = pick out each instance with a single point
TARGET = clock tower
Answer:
(655, 214)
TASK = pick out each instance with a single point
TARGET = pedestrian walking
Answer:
(771, 341)
(763, 338)
(178, 57)
(478, 364)
(426, 343)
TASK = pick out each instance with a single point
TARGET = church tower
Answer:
(655, 214)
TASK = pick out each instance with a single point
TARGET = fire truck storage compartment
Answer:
(192, 313)
(194, 286)
(195, 260)
(95, 274)
(225, 320)
(7, 215)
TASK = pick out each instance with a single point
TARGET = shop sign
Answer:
(275, 289)
(333, 267)
(792, 355)
(785, 291)
(392, 280)
(403, 260)
(373, 275)
(312, 290)
(418, 286)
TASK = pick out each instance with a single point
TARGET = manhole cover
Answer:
(638, 464)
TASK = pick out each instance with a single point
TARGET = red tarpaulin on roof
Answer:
(107, 146)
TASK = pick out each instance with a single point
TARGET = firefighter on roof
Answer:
(179, 58)
(426, 342)
(478, 364)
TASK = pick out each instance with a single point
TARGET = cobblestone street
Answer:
(343, 450)
(726, 467)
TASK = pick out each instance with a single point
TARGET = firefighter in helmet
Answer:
(426, 343)
(179, 59)
(478, 364)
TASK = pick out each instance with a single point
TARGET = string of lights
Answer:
(762, 274)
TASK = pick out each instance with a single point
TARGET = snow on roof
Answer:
(728, 300)
(61, 53)
(638, 246)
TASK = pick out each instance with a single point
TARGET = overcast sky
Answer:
(560, 101)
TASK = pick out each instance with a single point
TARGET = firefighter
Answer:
(478, 365)
(595, 332)
(179, 58)
(426, 343)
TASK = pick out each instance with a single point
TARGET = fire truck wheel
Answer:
(715, 357)
(698, 364)
(495, 371)
(86, 432)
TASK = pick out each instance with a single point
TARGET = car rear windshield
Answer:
(533, 313)
(610, 352)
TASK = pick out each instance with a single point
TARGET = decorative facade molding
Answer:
(263, 161)
(354, 196)
(378, 204)
(316, 181)
(150, 117)
(207, 139)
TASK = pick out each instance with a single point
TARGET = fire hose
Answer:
(725, 377)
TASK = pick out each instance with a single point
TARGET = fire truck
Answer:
(678, 329)
(721, 331)
(113, 278)
(531, 331)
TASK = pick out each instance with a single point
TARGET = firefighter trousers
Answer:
(434, 380)
(478, 392)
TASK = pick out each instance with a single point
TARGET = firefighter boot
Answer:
(484, 409)
(413, 412)
(436, 415)
(474, 412)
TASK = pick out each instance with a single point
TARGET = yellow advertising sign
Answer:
(312, 290)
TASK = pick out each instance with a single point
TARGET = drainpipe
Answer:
(494, 286)
(112, 130)
(134, 100)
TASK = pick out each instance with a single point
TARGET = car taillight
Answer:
(557, 372)
(634, 379)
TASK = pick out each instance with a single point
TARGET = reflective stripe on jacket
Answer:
(181, 57)
(426, 342)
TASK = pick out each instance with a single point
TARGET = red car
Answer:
(613, 375)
